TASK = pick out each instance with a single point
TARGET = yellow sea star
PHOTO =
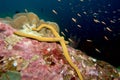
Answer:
(57, 38)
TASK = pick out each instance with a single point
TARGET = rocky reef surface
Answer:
(32, 59)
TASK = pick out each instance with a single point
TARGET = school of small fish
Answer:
(92, 16)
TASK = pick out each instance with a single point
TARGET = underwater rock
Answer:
(38, 60)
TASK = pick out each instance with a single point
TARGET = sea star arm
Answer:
(37, 37)
(49, 27)
(65, 51)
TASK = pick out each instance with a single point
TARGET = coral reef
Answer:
(32, 49)
(28, 20)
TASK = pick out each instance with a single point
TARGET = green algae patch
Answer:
(10, 75)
